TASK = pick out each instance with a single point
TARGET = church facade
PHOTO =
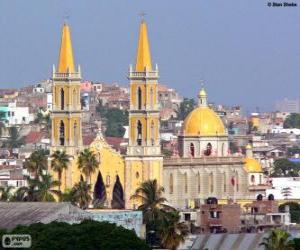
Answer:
(203, 168)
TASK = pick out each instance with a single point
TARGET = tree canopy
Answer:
(185, 108)
(285, 168)
(292, 121)
(115, 120)
(294, 211)
(86, 235)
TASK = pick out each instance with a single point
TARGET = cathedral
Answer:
(204, 168)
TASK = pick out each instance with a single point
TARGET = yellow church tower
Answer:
(66, 110)
(143, 160)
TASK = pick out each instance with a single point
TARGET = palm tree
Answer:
(278, 240)
(81, 193)
(45, 188)
(152, 202)
(41, 188)
(14, 139)
(59, 162)
(87, 163)
(6, 193)
(37, 162)
(173, 232)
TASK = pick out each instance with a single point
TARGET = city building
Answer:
(288, 105)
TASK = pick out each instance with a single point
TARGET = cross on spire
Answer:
(142, 15)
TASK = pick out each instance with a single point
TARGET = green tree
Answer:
(59, 163)
(14, 140)
(45, 188)
(294, 211)
(88, 234)
(285, 168)
(41, 188)
(88, 163)
(37, 162)
(187, 106)
(6, 193)
(278, 240)
(292, 121)
(150, 195)
(173, 232)
(115, 120)
(80, 194)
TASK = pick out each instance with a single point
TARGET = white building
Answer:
(285, 188)
(17, 115)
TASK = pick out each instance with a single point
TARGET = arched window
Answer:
(151, 98)
(198, 182)
(252, 179)
(260, 179)
(237, 181)
(223, 149)
(75, 129)
(171, 184)
(62, 99)
(139, 133)
(152, 133)
(139, 98)
(208, 150)
(74, 96)
(185, 183)
(108, 180)
(211, 183)
(192, 149)
(224, 182)
(62, 133)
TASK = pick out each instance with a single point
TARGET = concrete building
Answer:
(15, 115)
(288, 105)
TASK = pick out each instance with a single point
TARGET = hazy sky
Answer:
(248, 53)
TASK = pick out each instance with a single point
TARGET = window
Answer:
(192, 150)
(139, 98)
(224, 182)
(12, 113)
(139, 133)
(185, 183)
(62, 133)
(152, 133)
(198, 182)
(208, 150)
(75, 133)
(151, 98)
(187, 217)
(214, 214)
(107, 180)
(252, 179)
(137, 175)
(171, 184)
(211, 182)
(74, 99)
(62, 99)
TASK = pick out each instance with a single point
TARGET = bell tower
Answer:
(144, 160)
(66, 112)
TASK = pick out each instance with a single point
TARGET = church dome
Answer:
(203, 121)
(252, 165)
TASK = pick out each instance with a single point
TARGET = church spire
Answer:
(143, 57)
(66, 60)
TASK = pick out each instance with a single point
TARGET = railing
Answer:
(74, 75)
(145, 74)
(203, 160)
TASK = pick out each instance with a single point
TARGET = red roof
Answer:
(33, 137)
(88, 139)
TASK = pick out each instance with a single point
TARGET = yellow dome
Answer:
(203, 121)
(252, 165)
(248, 146)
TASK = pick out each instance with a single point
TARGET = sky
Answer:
(246, 52)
